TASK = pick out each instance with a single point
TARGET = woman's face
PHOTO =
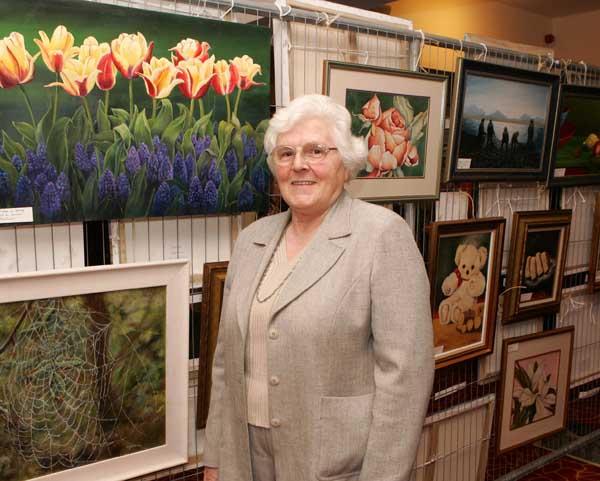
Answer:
(310, 190)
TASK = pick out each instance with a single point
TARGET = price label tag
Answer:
(16, 215)
(559, 172)
(513, 347)
(463, 164)
(526, 297)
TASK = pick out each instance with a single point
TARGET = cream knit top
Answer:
(257, 382)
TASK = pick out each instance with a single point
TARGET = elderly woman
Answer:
(323, 366)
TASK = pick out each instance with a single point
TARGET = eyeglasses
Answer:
(312, 153)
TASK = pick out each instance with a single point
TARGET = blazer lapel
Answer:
(256, 258)
(320, 256)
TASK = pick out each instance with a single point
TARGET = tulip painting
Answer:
(120, 119)
(395, 128)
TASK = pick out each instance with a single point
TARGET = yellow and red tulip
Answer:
(190, 48)
(58, 49)
(129, 52)
(17, 66)
(226, 77)
(160, 76)
(78, 78)
(195, 76)
(247, 70)
(101, 54)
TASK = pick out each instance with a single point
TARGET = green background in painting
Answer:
(584, 114)
(447, 246)
(106, 22)
(132, 415)
(355, 99)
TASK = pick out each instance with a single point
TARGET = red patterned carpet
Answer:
(565, 469)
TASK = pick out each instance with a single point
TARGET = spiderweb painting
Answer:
(82, 379)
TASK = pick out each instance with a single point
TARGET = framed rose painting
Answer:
(535, 386)
(536, 264)
(464, 261)
(401, 116)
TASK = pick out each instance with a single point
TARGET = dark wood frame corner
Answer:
(491, 224)
(594, 285)
(212, 299)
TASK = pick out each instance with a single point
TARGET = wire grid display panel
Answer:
(581, 201)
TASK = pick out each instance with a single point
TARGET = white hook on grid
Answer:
(565, 68)
(421, 45)
(203, 12)
(461, 45)
(585, 69)
(280, 4)
(573, 199)
(540, 64)
(484, 53)
(228, 11)
(496, 203)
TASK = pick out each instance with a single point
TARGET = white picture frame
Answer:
(174, 277)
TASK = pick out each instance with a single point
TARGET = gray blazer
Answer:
(350, 340)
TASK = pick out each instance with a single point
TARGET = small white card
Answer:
(559, 172)
(463, 163)
(16, 215)
(513, 347)
(438, 349)
(526, 297)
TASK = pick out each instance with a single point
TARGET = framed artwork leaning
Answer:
(594, 271)
(213, 285)
(536, 264)
(464, 263)
(503, 123)
(576, 159)
(535, 386)
(93, 373)
(401, 115)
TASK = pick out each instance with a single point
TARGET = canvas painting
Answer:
(90, 373)
(395, 127)
(503, 122)
(577, 158)
(464, 265)
(535, 386)
(401, 116)
(148, 114)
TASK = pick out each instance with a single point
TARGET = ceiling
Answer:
(549, 8)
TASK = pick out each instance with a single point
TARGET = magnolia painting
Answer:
(534, 389)
(148, 114)
(395, 127)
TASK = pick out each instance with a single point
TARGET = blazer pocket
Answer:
(344, 431)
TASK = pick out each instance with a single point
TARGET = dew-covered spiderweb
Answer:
(57, 404)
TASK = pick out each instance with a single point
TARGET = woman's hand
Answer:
(211, 474)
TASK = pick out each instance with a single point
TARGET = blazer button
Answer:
(274, 380)
(275, 422)
(273, 334)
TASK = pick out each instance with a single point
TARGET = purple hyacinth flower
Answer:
(40, 182)
(1, 148)
(211, 197)
(231, 163)
(34, 166)
(62, 185)
(162, 199)
(50, 202)
(51, 173)
(153, 166)
(195, 194)
(97, 161)
(4, 186)
(42, 152)
(143, 153)
(179, 138)
(156, 142)
(107, 187)
(132, 162)
(214, 173)
(82, 159)
(165, 170)
(259, 179)
(24, 192)
(246, 197)
(200, 145)
(177, 197)
(189, 165)
(179, 168)
(17, 162)
(123, 187)
(250, 149)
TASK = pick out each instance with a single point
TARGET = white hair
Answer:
(352, 149)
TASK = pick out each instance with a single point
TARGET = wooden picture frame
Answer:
(489, 100)
(212, 301)
(401, 114)
(449, 451)
(538, 250)
(594, 270)
(576, 159)
(111, 382)
(464, 264)
(537, 367)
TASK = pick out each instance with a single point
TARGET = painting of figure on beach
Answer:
(503, 123)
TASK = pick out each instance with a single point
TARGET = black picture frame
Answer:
(573, 160)
(517, 155)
